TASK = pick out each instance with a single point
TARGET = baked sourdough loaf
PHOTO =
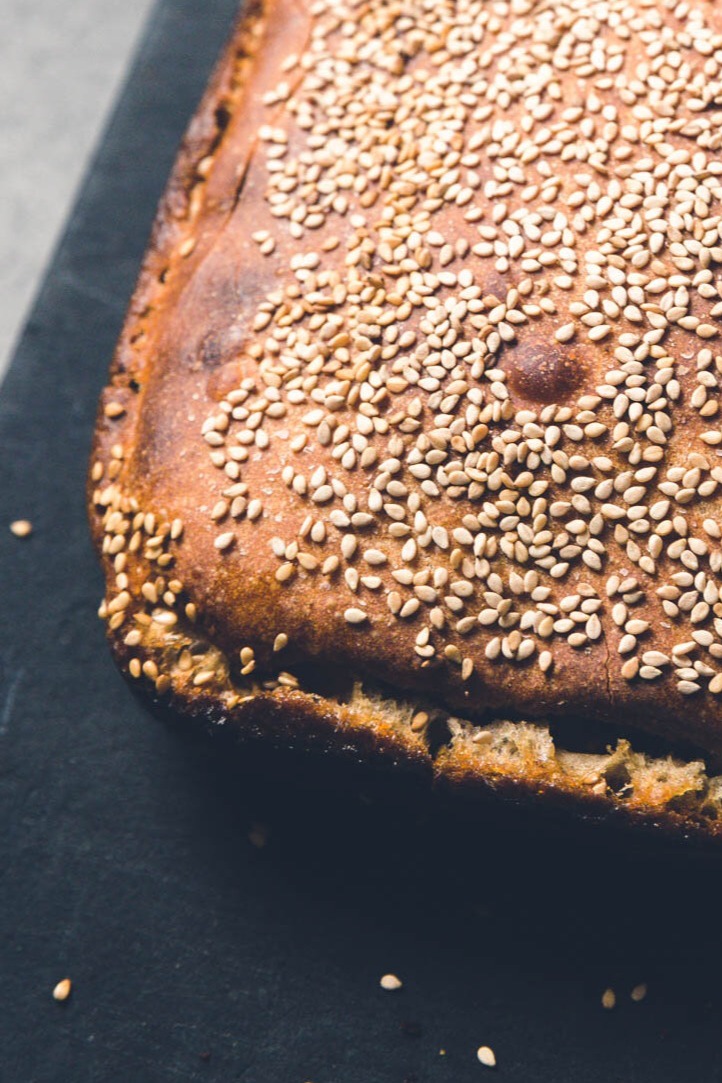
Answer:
(411, 448)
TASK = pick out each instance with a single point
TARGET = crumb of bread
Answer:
(258, 835)
(639, 992)
(21, 528)
(609, 999)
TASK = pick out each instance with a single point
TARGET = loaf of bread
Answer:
(411, 448)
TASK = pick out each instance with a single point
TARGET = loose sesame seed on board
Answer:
(21, 528)
(390, 982)
(486, 1056)
(63, 989)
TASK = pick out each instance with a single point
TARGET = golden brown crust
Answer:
(504, 546)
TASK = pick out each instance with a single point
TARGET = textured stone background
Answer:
(61, 65)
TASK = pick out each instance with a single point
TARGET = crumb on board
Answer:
(62, 989)
(609, 999)
(258, 835)
(21, 528)
(390, 982)
(485, 1055)
(639, 992)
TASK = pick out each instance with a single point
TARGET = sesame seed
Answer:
(565, 333)
(545, 661)
(165, 617)
(374, 557)
(355, 616)
(390, 982)
(638, 993)
(63, 989)
(609, 999)
(486, 1056)
(419, 722)
(203, 677)
(21, 528)
(223, 541)
(655, 658)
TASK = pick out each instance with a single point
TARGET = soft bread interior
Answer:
(500, 753)
(527, 753)
(528, 750)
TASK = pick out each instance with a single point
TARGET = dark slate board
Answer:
(124, 854)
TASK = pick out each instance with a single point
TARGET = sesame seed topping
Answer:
(480, 361)
(223, 541)
(355, 616)
(419, 722)
(565, 333)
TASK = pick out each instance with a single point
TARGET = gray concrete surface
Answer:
(61, 65)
